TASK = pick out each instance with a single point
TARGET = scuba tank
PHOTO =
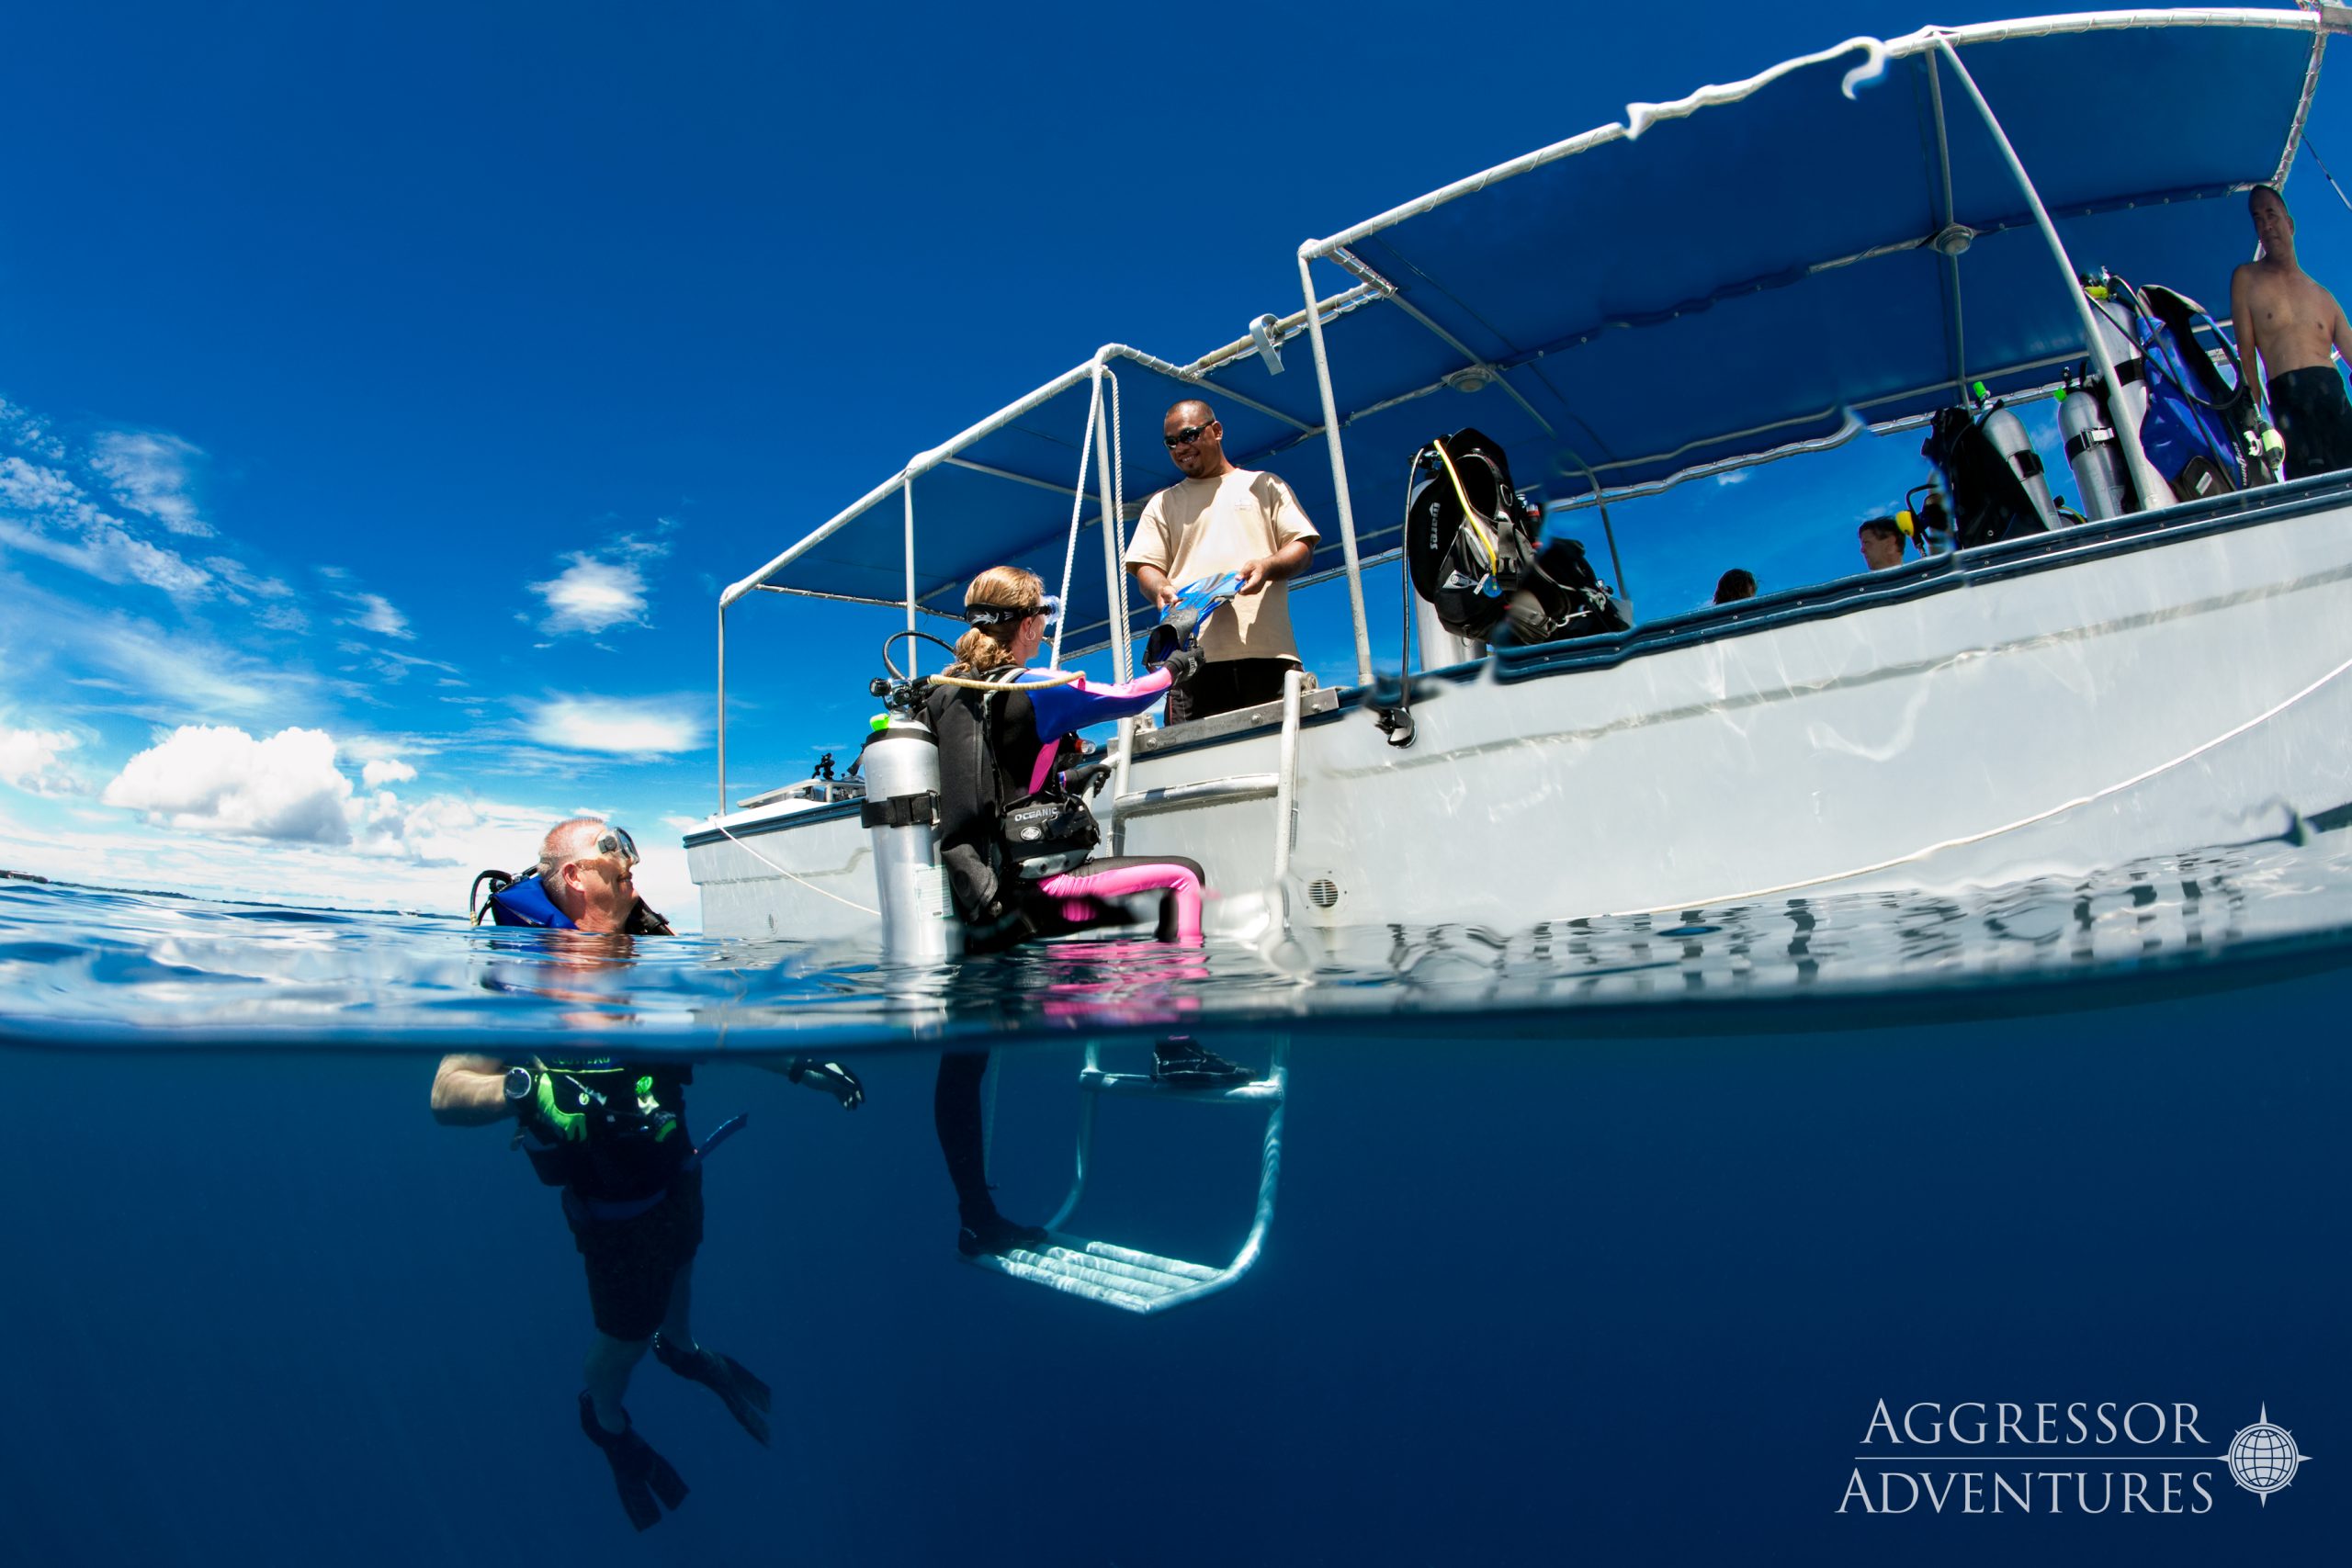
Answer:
(2008, 434)
(901, 813)
(2093, 452)
(2113, 307)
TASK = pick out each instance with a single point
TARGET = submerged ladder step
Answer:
(1100, 1271)
(1259, 1091)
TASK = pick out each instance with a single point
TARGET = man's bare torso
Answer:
(2285, 315)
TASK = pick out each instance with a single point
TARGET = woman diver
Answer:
(1005, 735)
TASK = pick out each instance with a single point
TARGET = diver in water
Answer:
(613, 1134)
(1006, 737)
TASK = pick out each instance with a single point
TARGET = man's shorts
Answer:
(632, 1262)
(1227, 685)
(2314, 419)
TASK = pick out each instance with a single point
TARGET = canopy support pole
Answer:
(1338, 473)
(722, 707)
(2144, 476)
(914, 654)
(1113, 569)
(1949, 217)
(1077, 511)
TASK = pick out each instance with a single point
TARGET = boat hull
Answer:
(2046, 708)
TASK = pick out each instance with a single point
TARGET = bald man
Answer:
(2296, 328)
(1221, 519)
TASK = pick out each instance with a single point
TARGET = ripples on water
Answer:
(111, 967)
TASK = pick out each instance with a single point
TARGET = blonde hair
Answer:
(989, 647)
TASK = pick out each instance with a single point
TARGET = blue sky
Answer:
(386, 392)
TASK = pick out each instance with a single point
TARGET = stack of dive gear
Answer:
(2200, 425)
(1472, 550)
(2202, 429)
(1991, 473)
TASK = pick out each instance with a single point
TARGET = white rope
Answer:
(1077, 509)
(781, 872)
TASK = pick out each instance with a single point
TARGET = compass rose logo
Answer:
(2263, 1457)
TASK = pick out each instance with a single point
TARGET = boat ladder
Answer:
(1122, 1276)
(1281, 785)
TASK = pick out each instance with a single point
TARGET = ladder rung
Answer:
(1117, 1276)
(1259, 1091)
(1207, 792)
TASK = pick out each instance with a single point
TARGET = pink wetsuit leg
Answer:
(1178, 882)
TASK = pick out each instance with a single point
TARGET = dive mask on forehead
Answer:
(615, 841)
(995, 614)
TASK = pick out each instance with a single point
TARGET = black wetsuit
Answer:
(2314, 419)
(634, 1204)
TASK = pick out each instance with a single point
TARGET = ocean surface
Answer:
(1599, 1241)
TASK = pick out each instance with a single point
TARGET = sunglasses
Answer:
(1189, 434)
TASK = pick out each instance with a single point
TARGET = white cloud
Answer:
(377, 615)
(1734, 477)
(592, 596)
(149, 473)
(28, 432)
(30, 760)
(604, 587)
(220, 780)
(44, 512)
(386, 770)
(613, 726)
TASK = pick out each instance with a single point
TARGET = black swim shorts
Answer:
(632, 1262)
(1226, 685)
(2314, 419)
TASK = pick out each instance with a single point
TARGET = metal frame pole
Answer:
(2151, 484)
(1339, 470)
(722, 708)
(1113, 570)
(914, 653)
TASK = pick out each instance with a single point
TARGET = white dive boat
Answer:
(1847, 240)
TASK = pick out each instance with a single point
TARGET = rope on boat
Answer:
(2346, 200)
(781, 872)
(1965, 839)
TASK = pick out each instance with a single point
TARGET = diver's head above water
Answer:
(1009, 612)
(588, 867)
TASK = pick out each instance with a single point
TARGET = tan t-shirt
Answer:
(1201, 527)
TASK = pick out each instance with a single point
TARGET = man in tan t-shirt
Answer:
(1224, 519)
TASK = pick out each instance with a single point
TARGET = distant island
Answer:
(7, 876)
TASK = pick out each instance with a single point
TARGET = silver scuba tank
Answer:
(2008, 434)
(2111, 308)
(902, 814)
(2093, 452)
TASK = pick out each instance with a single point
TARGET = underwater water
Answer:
(1596, 1242)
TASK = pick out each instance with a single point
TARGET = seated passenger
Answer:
(1881, 543)
(1735, 585)
(1004, 748)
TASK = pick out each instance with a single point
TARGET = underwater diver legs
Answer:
(640, 1474)
(747, 1398)
(963, 1139)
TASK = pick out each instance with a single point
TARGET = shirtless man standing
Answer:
(2283, 315)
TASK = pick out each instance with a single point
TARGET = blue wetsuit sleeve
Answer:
(1064, 709)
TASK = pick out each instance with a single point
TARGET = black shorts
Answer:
(1227, 685)
(633, 1262)
(2314, 419)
